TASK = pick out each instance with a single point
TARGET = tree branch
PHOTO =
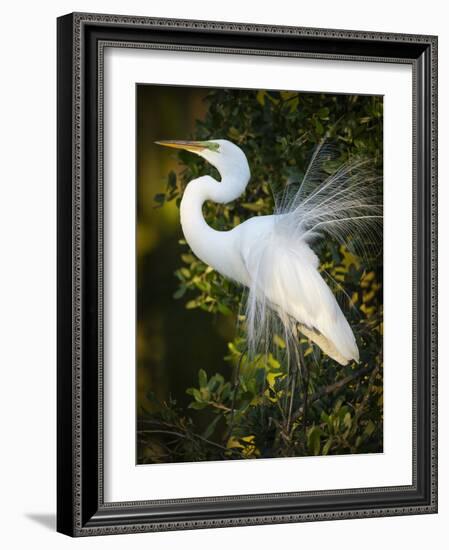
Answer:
(334, 387)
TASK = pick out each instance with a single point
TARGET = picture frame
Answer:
(81, 506)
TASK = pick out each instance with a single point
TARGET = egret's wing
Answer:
(341, 201)
(286, 291)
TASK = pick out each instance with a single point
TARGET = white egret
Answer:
(271, 255)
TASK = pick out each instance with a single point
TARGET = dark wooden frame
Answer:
(81, 507)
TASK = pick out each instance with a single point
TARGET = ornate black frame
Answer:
(81, 507)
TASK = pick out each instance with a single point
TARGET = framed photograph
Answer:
(246, 274)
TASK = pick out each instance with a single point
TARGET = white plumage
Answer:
(285, 279)
(272, 256)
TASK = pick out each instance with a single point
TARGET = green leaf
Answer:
(179, 293)
(225, 310)
(226, 392)
(159, 198)
(234, 134)
(202, 378)
(197, 395)
(272, 362)
(313, 440)
(215, 382)
(347, 420)
(369, 428)
(197, 405)
(211, 427)
(278, 341)
(187, 258)
(338, 404)
(171, 180)
(257, 206)
(205, 393)
(327, 446)
(233, 349)
(319, 127)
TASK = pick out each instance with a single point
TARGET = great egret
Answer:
(271, 255)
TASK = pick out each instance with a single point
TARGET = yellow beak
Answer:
(193, 146)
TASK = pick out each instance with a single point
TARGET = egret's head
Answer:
(224, 155)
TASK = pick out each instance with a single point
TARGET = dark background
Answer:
(168, 354)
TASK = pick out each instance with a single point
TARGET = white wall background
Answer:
(28, 282)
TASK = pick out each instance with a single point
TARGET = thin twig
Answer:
(186, 436)
(334, 387)
(168, 432)
(362, 404)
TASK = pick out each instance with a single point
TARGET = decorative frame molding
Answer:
(81, 41)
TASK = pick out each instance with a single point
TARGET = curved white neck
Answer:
(207, 243)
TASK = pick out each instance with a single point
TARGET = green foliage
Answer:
(268, 407)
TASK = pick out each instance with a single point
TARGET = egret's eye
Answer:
(211, 146)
